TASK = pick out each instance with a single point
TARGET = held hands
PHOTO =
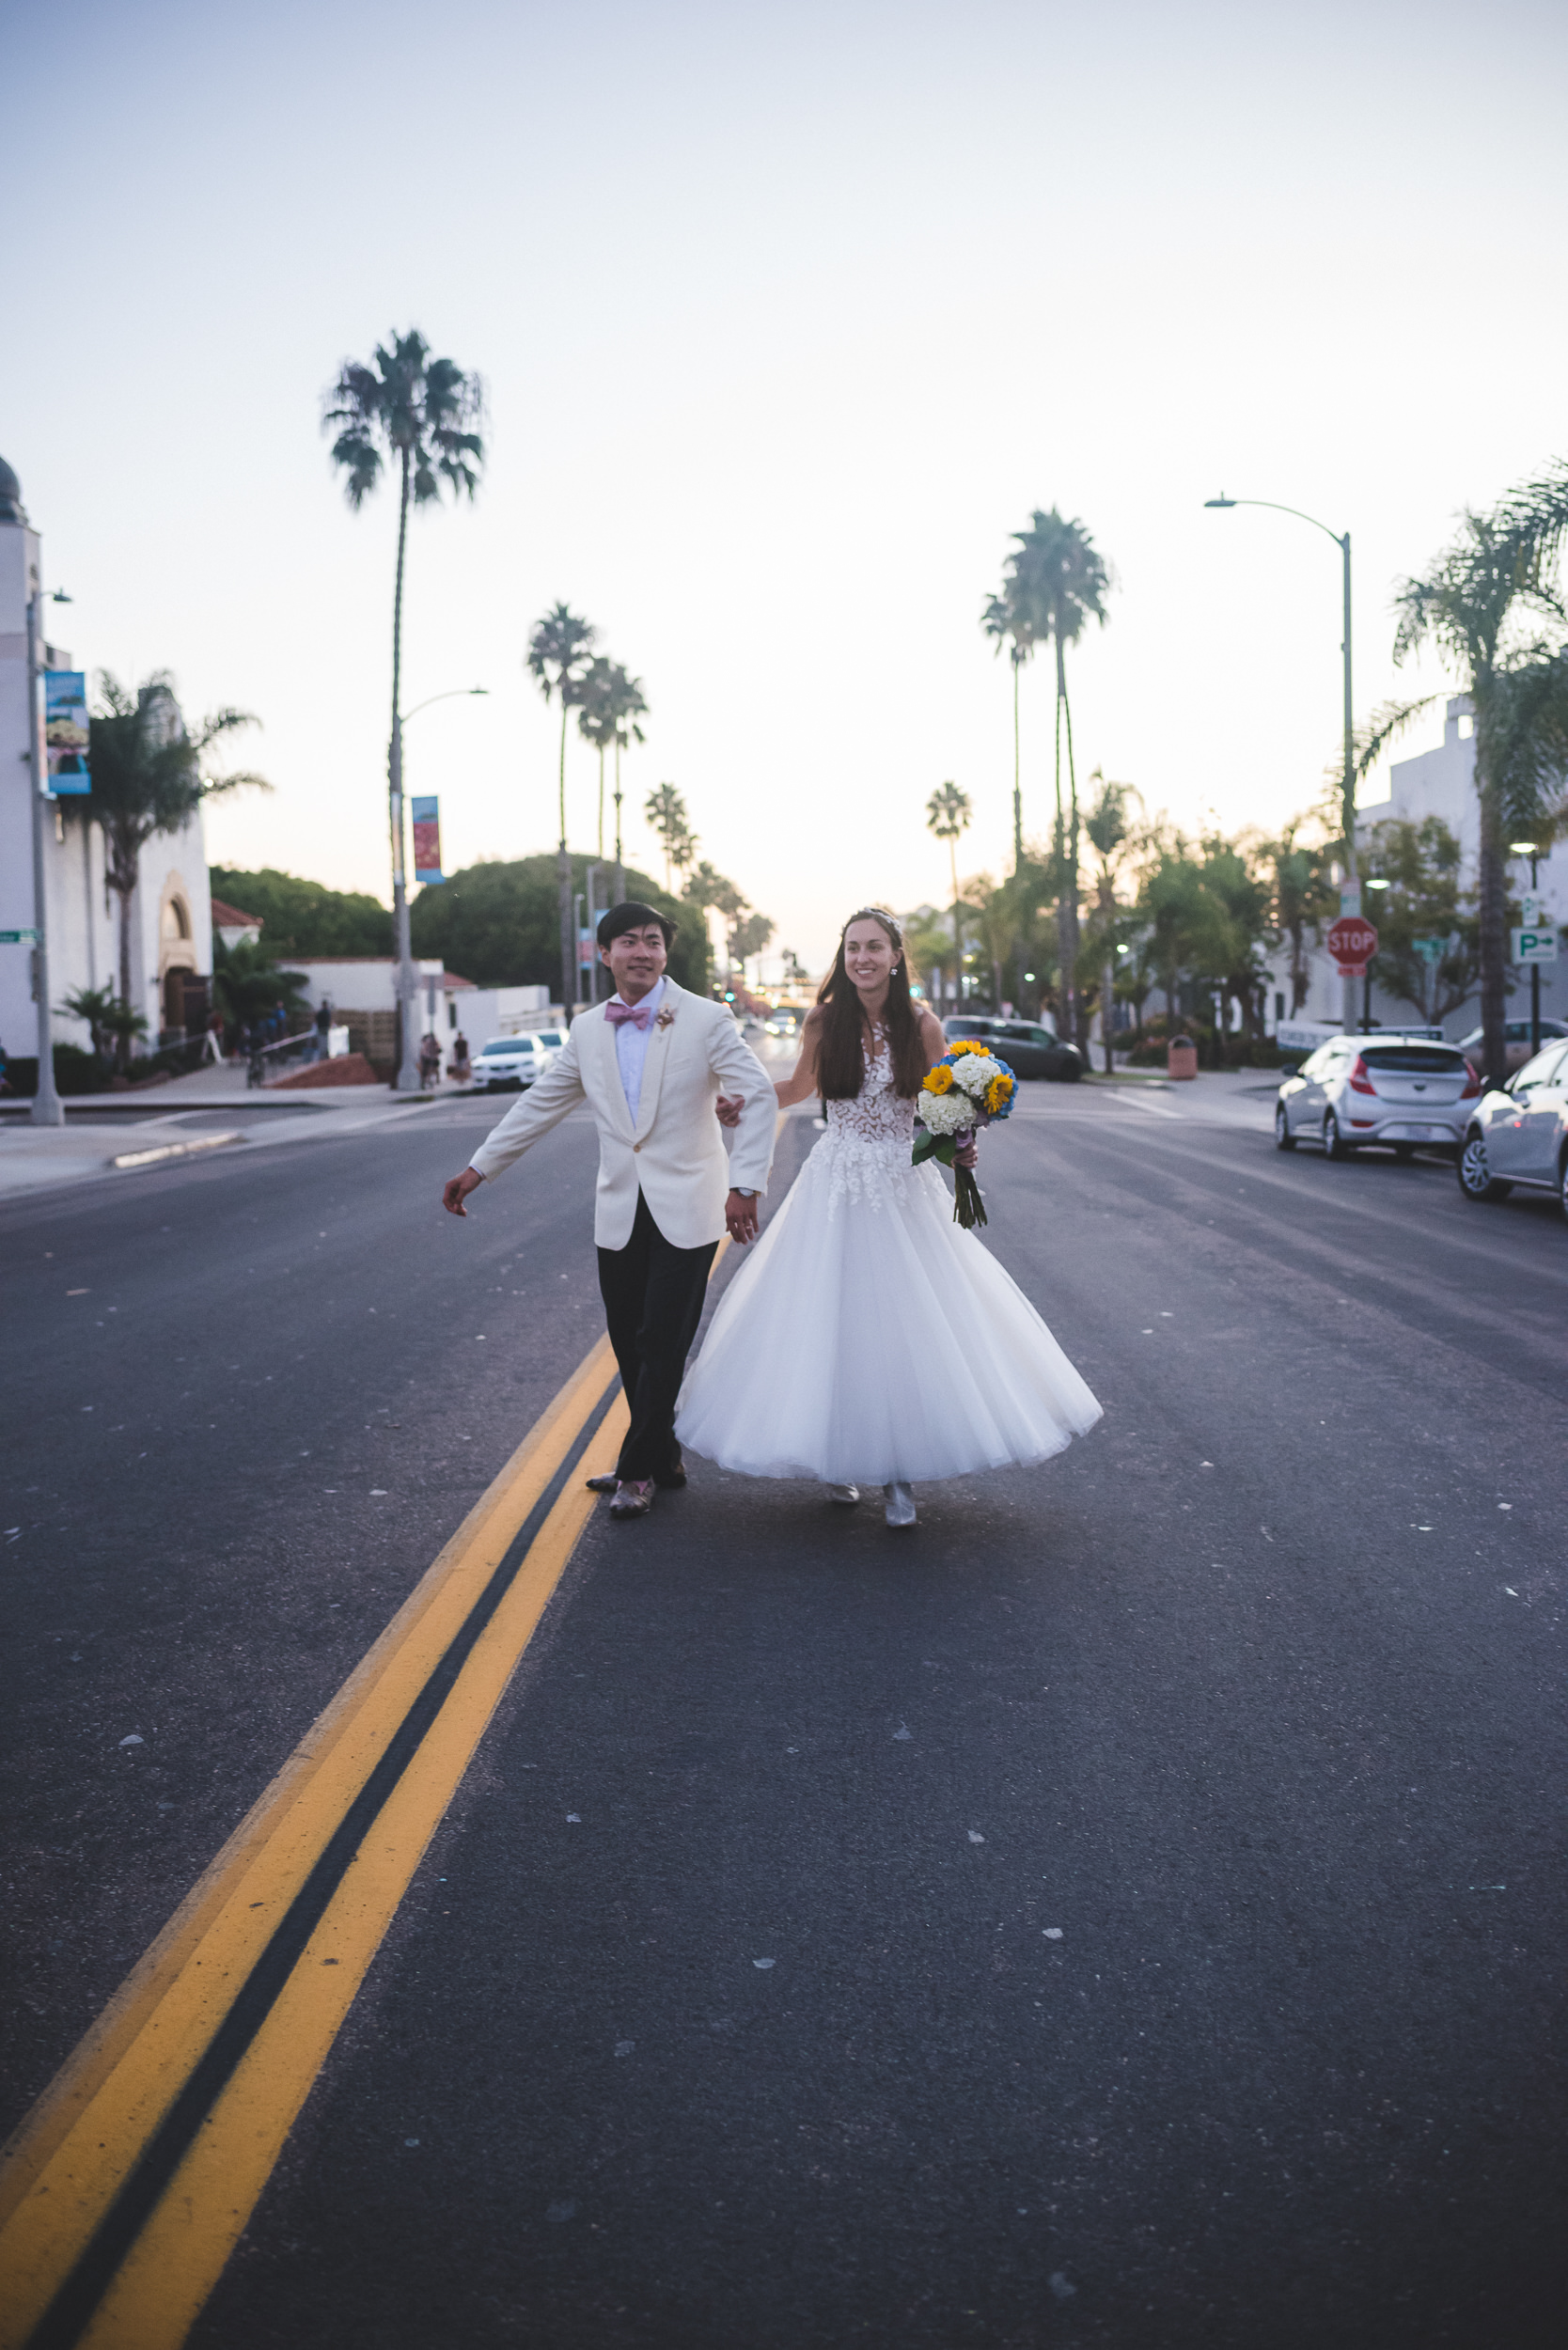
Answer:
(728, 1108)
(458, 1190)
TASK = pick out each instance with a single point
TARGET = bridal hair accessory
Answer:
(618, 1014)
(878, 914)
(969, 1088)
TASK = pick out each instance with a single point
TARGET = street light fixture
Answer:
(1349, 901)
(407, 1080)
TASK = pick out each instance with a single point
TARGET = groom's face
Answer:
(635, 960)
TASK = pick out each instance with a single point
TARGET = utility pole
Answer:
(47, 1110)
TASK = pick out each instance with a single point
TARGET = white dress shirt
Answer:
(631, 1048)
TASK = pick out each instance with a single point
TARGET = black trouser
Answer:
(653, 1294)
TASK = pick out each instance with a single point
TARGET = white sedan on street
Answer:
(1403, 1092)
(511, 1062)
(1518, 1134)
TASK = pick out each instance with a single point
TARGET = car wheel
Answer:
(1334, 1144)
(1476, 1179)
(1283, 1138)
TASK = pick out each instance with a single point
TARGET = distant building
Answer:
(171, 936)
(234, 927)
(1438, 782)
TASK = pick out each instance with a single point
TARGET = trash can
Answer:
(1181, 1059)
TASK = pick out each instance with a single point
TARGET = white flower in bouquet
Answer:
(975, 1071)
(946, 1113)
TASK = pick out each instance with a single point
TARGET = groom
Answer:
(652, 1064)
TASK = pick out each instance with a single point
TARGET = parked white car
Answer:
(1518, 1133)
(1517, 1041)
(1403, 1092)
(511, 1064)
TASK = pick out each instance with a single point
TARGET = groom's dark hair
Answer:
(633, 916)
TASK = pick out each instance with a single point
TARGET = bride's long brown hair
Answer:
(841, 1056)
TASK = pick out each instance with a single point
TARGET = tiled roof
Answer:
(230, 918)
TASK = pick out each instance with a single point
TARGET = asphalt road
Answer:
(1124, 1911)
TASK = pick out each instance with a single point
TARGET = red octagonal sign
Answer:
(1353, 942)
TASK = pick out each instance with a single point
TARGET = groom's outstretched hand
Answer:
(458, 1190)
(740, 1215)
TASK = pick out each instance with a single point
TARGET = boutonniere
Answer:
(665, 1019)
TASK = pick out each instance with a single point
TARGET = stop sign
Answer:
(1353, 942)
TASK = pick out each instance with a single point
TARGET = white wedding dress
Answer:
(868, 1339)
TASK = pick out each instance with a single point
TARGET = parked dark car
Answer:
(1028, 1049)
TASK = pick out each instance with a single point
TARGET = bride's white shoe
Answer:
(846, 1494)
(901, 1504)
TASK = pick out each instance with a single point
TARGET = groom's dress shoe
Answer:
(602, 1484)
(634, 1497)
(673, 1478)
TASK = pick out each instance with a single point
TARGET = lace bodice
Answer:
(877, 1114)
(868, 1140)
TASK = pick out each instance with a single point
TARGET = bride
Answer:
(868, 1340)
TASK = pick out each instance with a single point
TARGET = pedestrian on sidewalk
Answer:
(652, 1064)
(429, 1060)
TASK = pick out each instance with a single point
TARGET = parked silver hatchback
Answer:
(1518, 1133)
(1405, 1093)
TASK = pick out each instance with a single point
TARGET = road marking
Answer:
(175, 1150)
(77, 2196)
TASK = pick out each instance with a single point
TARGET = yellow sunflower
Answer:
(968, 1044)
(998, 1095)
(938, 1080)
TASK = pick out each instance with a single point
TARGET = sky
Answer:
(787, 318)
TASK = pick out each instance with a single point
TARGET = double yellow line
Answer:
(127, 2187)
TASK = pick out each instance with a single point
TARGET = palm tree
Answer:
(1489, 604)
(150, 775)
(948, 813)
(559, 649)
(706, 888)
(596, 722)
(1303, 898)
(665, 810)
(1057, 582)
(1003, 621)
(627, 704)
(420, 414)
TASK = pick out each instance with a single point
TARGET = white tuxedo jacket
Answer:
(675, 1154)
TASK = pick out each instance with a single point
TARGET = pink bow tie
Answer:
(618, 1014)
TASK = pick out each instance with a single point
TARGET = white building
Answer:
(1438, 782)
(171, 936)
(362, 991)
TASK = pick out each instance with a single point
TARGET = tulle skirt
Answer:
(867, 1339)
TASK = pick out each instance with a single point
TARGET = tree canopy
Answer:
(305, 917)
(499, 924)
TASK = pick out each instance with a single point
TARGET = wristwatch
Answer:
(743, 1191)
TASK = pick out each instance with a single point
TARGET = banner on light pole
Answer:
(427, 840)
(65, 730)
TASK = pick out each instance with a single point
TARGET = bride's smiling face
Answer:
(870, 956)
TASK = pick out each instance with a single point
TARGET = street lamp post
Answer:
(47, 1109)
(1350, 900)
(1532, 850)
(407, 1078)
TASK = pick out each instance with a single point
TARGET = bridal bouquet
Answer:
(967, 1090)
